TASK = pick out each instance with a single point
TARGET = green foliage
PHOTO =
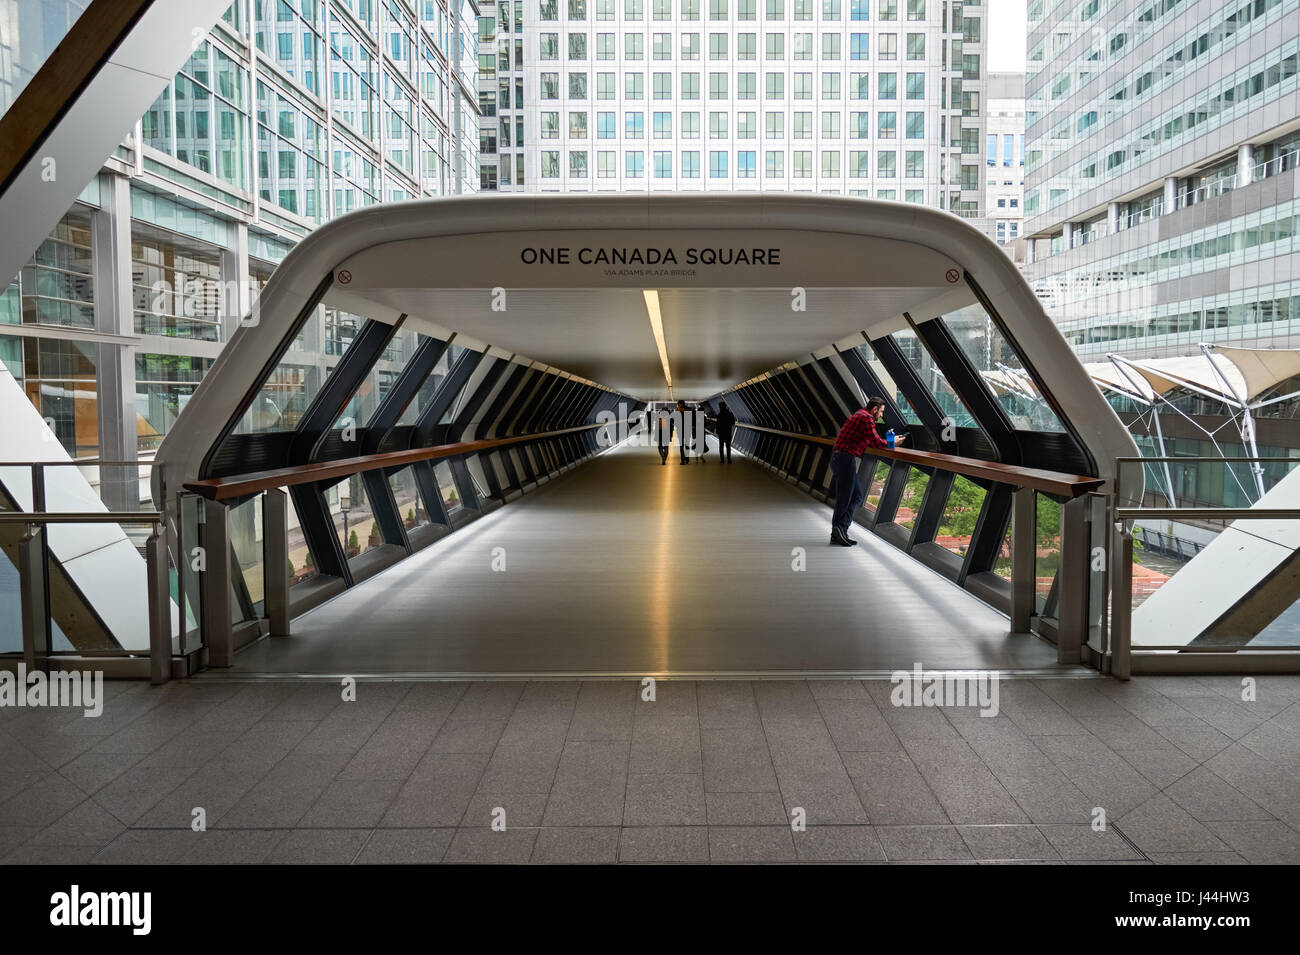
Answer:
(374, 528)
(290, 568)
(353, 541)
(962, 511)
(311, 562)
(410, 514)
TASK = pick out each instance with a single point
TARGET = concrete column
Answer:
(234, 279)
(1171, 195)
(1245, 165)
(1067, 234)
(1030, 245)
(115, 368)
(1112, 218)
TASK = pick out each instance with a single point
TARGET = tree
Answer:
(962, 511)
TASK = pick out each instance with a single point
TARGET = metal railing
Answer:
(1125, 519)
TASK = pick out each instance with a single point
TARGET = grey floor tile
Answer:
(1260, 843)
(737, 760)
(604, 710)
(489, 846)
(319, 846)
(41, 803)
(406, 846)
(1082, 843)
(1197, 858)
(664, 844)
(751, 844)
(1207, 797)
(87, 824)
(146, 847)
(891, 789)
(856, 725)
(1012, 843)
(351, 804)
(139, 789)
(838, 844)
(745, 809)
(664, 799)
(922, 843)
(1160, 825)
(437, 793)
(582, 845)
(468, 736)
(232, 846)
(50, 855)
(727, 704)
(516, 810)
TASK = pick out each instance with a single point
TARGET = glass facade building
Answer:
(851, 97)
(285, 115)
(1160, 184)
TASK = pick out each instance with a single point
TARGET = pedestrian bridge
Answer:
(424, 452)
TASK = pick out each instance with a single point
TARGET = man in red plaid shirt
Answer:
(856, 435)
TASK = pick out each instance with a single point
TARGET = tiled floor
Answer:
(709, 771)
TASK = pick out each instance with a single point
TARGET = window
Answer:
(605, 86)
(690, 86)
(663, 125)
(886, 164)
(663, 165)
(606, 167)
(830, 86)
(859, 10)
(916, 10)
(550, 125)
(802, 164)
(690, 46)
(830, 125)
(1008, 146)
(548, 10)
(803, 125)
(605, 46)
(746, 85)
(887, 84)
(859, 86)
(803, 86)
(830, 46)
(690, 165)
(550, 85)
(888, 9)
(775, 124)
(717, 125)
(718, 164)
(549, 44)
(634, 167)
(831, 9)
(886, 125)
(634, 86)
(578, 163)
(663, 46)
(663, 85)
(776, 9)
(663, 9)
(633, 9)
(634, 125)
(776, 46)
(605, 128)
(859, 163)
(774, 164)
(916, 86)
(775, 88)
(690, 125)
(830, 163)
(577, 86)
(717, 46)
(916, 46)
(859, 46)
(915, 164)
(860, 125)
(746, 161)
(634, 46)
(717, 9)
(578, 125)
(803, 46)
(887, 46)
(915, 125)
(717, 86)
(747, 46)
(550, 164)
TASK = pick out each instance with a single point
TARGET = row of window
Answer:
(746, 87)
(858, 165)
(578, 10)
(858, 125)
(746, 46)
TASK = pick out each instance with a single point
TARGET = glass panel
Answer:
(988, 351)
(447, 488)
(424, 397)
(913, 495)
(876, 486)
(1002, 563)
(378, 381)
(407, 495)
(32, 31)
(245, 522)
(887, 381)
(297, 379)
(163, 386)
(1047, 552)
(353, 519)
(302, 566)
(932, 378)
(960, 515)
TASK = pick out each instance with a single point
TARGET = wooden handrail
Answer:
(1051, 482)
(221, 489)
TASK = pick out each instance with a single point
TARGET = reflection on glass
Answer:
(960, 515)
(1047, 550)
(1002, 563)
(246, 542)
(876, 487)
(407, 495)
(887, 382)
(447, 488)
(910, 504)
(354, 521)
(432, 384)
(988, 351)
(933, 379)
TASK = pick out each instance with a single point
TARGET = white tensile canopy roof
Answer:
(1236, 375)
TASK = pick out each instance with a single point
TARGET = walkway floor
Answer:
(627, 566)
(709, 771)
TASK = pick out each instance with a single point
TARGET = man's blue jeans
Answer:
(848, 489)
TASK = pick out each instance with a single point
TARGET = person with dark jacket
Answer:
(724, 425)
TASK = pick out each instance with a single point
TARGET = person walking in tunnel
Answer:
(856, 435)
(683, 420)
(724, 425)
